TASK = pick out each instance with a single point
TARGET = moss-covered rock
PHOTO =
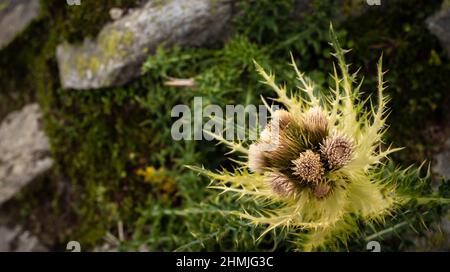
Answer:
(116, 56)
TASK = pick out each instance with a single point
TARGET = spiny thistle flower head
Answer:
(308, 166)
(281, 184)
(323, 172)
(282, 118)
(337, 149)
(265, 135)
(256, 160)
(315, 120)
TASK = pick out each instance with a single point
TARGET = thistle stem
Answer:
(385, 231)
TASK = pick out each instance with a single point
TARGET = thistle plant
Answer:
(316, 169)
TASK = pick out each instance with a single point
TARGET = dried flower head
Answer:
(256, 159)
(308, 166)
(315, 120)
(281, 184)
(282, 118)
(265, 135)
(337, 149)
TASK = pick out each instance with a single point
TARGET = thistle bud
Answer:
(321, 190)
(308, 166)
(256, 158)
(265, 135)
(315, 121)
(281, 184)
(282, 118)
(338, 150)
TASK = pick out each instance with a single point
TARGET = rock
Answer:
(116, 13)
(15, 16)
(19, 240)
(442, 161)
(117, 54)
(24, 150)
(439, 25)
